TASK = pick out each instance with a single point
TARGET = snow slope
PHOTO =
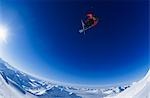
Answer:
(8, 91)
(141, 89)
(16, 84)
(21, 85)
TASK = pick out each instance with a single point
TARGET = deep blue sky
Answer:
(44, 40)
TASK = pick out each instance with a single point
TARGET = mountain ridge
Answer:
(43, 89)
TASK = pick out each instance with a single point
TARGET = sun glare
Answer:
(3, 34)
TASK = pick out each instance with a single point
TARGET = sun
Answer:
(3, 33)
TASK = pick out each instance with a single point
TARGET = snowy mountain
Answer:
(7, 90)
(26, 84)
(21, 84)
(140, 89)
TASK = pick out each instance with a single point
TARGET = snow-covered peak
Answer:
(25, 83)
(7, 90)
(47, 89)
(140, 89)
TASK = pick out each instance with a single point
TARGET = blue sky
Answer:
(44, 40)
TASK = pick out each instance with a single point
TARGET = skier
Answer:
(90, 22)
